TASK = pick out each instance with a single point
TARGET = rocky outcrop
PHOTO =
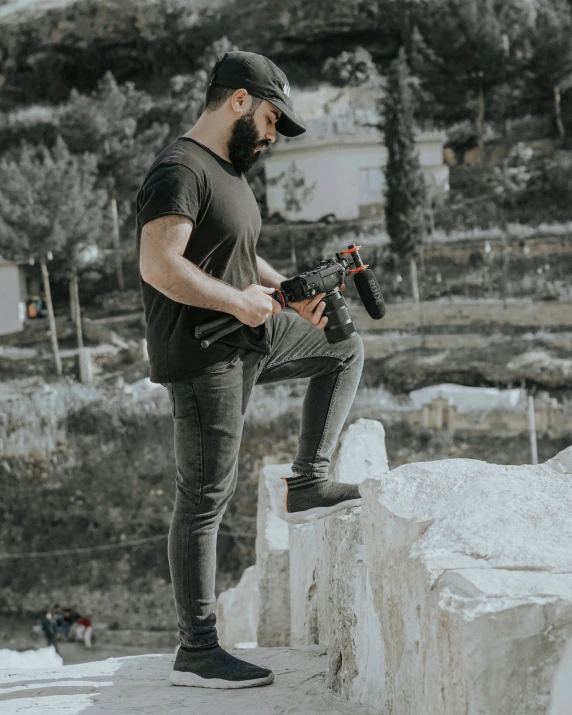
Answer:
(449, 591)
(32, 421)
(272, 558)
(471, 576)
(362, 452)
(305, 542)
(237, 611)
(328, 577)
(561, 703)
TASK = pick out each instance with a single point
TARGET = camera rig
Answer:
(329, 278)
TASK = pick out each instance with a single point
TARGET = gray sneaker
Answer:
(308, 498)
(215, 668)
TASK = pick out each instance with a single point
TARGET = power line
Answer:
(108, 547)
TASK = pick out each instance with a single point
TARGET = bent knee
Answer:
(355, 348)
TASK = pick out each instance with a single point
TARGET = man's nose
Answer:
(271, 135)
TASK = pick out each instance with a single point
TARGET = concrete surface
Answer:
(140, 685)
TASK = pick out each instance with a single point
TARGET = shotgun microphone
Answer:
(370, 293)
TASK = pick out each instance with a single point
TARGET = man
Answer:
(50, 630)
(198, 224)
(58, 615)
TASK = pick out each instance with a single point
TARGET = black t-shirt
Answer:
(190, 180)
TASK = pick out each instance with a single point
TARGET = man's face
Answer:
(252, 133)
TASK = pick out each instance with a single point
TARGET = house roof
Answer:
(356, 126)
(335, 115)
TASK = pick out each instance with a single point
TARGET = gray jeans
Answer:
(208, 412)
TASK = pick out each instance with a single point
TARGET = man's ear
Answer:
(239, 101)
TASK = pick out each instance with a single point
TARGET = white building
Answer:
(18, 283)
(337, 167)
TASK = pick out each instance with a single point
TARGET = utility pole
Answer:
(532, 430)
(116, 245)
(76, 307)
(51, 317)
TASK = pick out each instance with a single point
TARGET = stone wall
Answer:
(460, 251)
(448, 591)
(521, 314)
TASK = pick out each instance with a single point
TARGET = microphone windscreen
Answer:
(370, 293)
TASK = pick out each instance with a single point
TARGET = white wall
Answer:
(334, 167)
(9, 299)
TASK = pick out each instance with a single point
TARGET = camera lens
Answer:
(340, 326)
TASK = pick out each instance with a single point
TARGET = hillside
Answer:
(54, 45)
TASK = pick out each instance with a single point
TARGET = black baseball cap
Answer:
(260, 77)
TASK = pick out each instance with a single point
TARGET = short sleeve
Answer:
(170, 189)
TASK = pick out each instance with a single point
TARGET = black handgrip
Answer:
(211, 337)
(206, 328)
(207, 333)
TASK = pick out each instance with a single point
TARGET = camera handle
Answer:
(228, 325)
(210, 332)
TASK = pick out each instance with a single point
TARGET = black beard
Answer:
(243, 143)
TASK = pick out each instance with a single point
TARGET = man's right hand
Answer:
(255, 305)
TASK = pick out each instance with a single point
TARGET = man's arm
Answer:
(268, 276)
(162, 265)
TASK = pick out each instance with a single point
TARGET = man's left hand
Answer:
(311, 310)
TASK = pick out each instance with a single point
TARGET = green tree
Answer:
(464, 52)
(107, 124)
(550, 67)
(187, 91)
(405, 189)
(49, 206)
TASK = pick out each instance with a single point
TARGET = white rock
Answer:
(356, 647)
(40, 658)
(319, 582)
(562, 685)
(237, 611)
(471, 572)
(562, 462)
(272, 558)
(309, 616)
(362, 453)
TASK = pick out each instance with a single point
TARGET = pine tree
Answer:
(49, 205)
(464, 52)
(405, 190)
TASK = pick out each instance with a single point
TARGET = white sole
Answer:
(195, 681)
(305, 517)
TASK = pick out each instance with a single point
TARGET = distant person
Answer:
(66, 623)
(31, 309)
(84, 629)
(197, 228)
(50, 630)
(58, 615)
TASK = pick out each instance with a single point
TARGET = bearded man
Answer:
(197, 227)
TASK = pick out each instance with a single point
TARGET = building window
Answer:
(371, 182)
(371, 185)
